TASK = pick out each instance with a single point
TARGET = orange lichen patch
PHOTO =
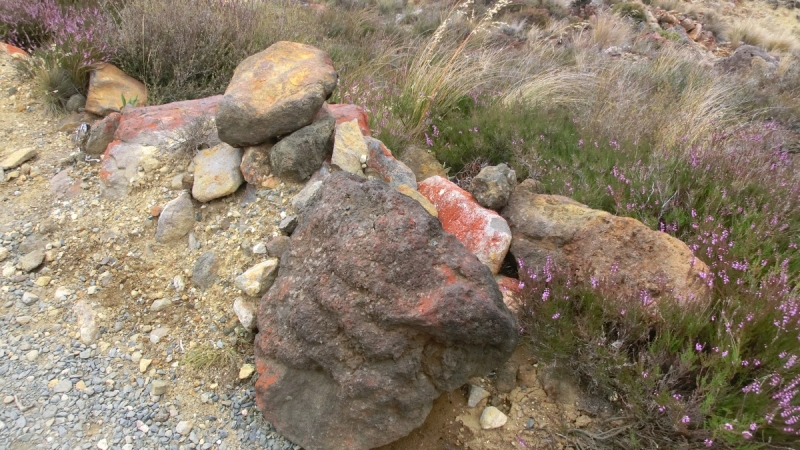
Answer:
(347, 112)
(15, 52)
(164, 118)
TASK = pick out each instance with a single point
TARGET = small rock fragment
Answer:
(260, 249)
(205, 269)
(276, 246)
(158, 334)
(476, 394)
(158, 387)
(144, 364)
(29, 299)
(288, 224)
(32, 260)
(17, 158)
(183, 428)
(257, 279)
(246, 313)
(160, 304)
(492, 418)
(246, 371)
(86, 321)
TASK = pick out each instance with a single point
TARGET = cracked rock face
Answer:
(375, 312)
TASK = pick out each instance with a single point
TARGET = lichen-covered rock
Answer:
(493, 186)
(384, 166)
(274, 93)
(347, 112)
(482, 230)
(375, 312)
(255, 165)
(349, 148)
(593, 243)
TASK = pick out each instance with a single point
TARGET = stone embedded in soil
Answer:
(101, 134)
(158, 387)
(506, 379)
(255, 164)
(256, 280)
(246, 371)
(29, 298)
(476, 394)
(3, 253)
(639, 262)
(32, 260)
(274, 93)
(108, 85)
(205, 270)
(349, 148)
(288, 224)
(375, 312)
(492, 418)
(17, 157)
(297, 156)
(87, 321)
(63, 185)
(492, 187)
(158, 334)
(483, 231)
(160, 304)
(347, 112)
(176, 220)
(216, 172)
(245, 311)
(278, 245)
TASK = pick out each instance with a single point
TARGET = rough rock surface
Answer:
(493, 186)
(107, 86)
(375, 312)
(149, 131)
(17, 157)
(257, 279)
(349, 148)
(483, 231)
(176, 220)
(216, 172)
(347, 112)
(423, 163)
(297, 156)
(382, 163)
(593, 243)
(274, 92)
(101, 134)
(744, 57)
(255, 163)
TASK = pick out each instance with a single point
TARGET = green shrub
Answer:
(632, 10)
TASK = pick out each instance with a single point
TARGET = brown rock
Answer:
(216, 172)
(274, 92)
(422, 163)
(695, 33)
(107, 87)
(255, 163)
(347, 112)
(375, 312)
(102, 133)
(593, 243)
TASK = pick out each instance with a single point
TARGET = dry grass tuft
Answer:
(782, 41)
(208, 355)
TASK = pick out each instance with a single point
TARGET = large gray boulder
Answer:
(274, 93)
(375, 312)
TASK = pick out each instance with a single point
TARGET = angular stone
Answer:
(62, 386)
(297, 156)
(640, 262)
(277, 246)
(349, 148)
(149, 130)
(382, 163)
(375, 312)
(483, 231)
(107, 87)
(160, 304)
(29, 298)
(87, 321)
(492, 418)
(246, 371)
(216, 172)
(245, 311)
(176, 219)
(476, 394)
(288, 224)
(3, 253)
(274, 93)
(423, 163)
(32, 260)
(158, 387)
(101, 134)
(158, 334)
(144, 364)
(255, 165)
(256, 280)
(347, 112)
(492, 187)
(205, 270)
(410, 192)
(17, 157)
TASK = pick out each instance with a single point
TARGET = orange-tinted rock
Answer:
(384, 166)
(107, 87)
(344, 112)
(482, 231)
(14, 52)
(255, 163)
(511, 288)
(274, 93)
(639, 261)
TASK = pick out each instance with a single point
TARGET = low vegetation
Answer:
(600, 110)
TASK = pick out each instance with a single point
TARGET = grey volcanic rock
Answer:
(493, 186)
(297, 156)
(176, 220)
(375, 312)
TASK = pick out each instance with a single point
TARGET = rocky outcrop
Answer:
(274, 93)
(110, 90)
(376, 311)
(483, 231)
(640, 262)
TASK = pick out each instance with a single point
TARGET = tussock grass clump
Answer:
(782, 41)
(208, 355)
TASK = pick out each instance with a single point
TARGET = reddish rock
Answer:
(63, 185)
(149, 130)
(385, 167)
(375, 312)
(14, 52)
(511, 288)
(640, 262)
(255, 164)
(107, 87)
(482, 231)
(344, 112)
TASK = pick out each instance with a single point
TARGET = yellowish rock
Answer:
(144, 364)
(108, 86)
(43, 281)
(246, 371)
(80, 385)
(349, 148)
(413, 193)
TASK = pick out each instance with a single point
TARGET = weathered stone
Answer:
(506, 379)
(256, 280)
(176, 219)
(595, 244)
(386, 167)
(17, 157)
(276, 246)
(14, 52)
(492, 418)
(493, 186)
(255, 165)
(216, 172)
(413, 193)
(158, 334)
(63, 185)
(147, 131)
(205, 270)
(3, 253)
(423, 163)
(29, 298)
(297, 156)
(349, 148)
(347, 112)
(87, 321)
(158, 387)
(483, 231)
(375, 312)
(31, 260)
(744, 57)
(108, 86)
(274, 93)
(245, 311)
(76, 103)
(476, 395)
(101, 134)
(288, 224)
(246, 371)
(160, 304)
